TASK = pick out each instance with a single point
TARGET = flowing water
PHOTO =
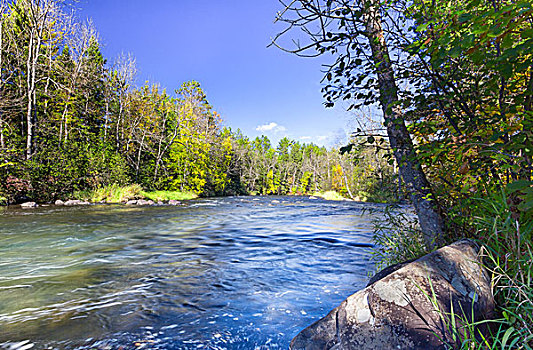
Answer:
(231, 273)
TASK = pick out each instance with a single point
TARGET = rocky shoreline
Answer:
(78, 202)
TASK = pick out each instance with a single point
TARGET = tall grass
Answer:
(119, 194)
(507, 237)
(397, 237)
(110, 194)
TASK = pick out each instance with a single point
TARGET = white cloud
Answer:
(271, 127)
(305, 138)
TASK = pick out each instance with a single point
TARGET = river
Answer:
(226, 273)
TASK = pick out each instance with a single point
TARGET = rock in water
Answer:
(28, 205)
(59, 202)
(396, 311)
(72, 202)
(145, 202)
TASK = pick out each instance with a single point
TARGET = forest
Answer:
(70, 120)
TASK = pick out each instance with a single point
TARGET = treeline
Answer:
(70, 121)
(295, 168)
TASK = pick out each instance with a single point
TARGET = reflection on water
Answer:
(233, 273)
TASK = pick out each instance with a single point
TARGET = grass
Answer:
(330, 196)
(119, 194)
(507, 238)
(168, 195)
(110, 194)
(397, 237)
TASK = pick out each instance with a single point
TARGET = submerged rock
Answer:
(410, 307)
(28, 205)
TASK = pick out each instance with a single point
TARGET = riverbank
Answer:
(135, 195)
(113, 194)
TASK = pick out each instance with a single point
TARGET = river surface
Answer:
(231, 273)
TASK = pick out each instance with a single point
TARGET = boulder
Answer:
(72, 202)
(59, 202)
(145, 202)
(411, 306)
(131, 202)
(174, 202)
(28, 205)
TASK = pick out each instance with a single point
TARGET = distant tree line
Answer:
(70, 121)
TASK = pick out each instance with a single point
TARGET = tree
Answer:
(353, 33)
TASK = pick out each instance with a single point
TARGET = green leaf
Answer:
(527, 33)
(519, 185)
(506, 336)
(6, 164)
(346, 149)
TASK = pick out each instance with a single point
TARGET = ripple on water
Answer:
(238, 273)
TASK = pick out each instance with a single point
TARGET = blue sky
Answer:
(223, 45)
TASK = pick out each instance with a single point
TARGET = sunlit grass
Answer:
(330, 196)
(120, 194)
(168, 195)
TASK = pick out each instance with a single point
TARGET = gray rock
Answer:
(395, 312)
(145, 202)
(174, 202)
(131, 202)
(313, 197)
(59, 202)
(28, 205)
(72, 202)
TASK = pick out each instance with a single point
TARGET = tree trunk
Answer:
(29, 92)
(430, 218)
